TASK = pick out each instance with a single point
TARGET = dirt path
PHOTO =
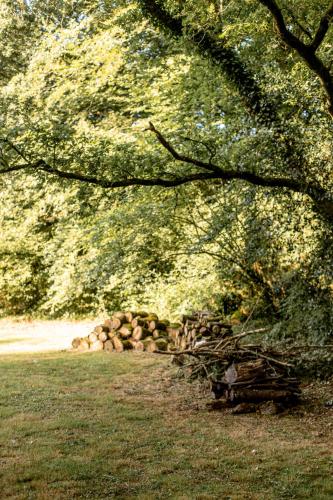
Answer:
(40, 336)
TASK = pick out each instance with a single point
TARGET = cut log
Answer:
(156, 325)
(246, 371)
(254, 395)
(98, 329)
(159, 333)
(173, 333)
(119, 315)
(97, 346)
(183, 344)
(161, 344)
(117, 344)
(108, 324)
(138, 322)
(76, 342)
(92, 337)
(139, 333)
(103, 337)
(147, 341)
(108, 346)
(116, 324)
(137, 345)
(126, 330)
(84, 345)
(142, 314)
(112, 334)
(216, 329)
(129, 315)
(151, 346)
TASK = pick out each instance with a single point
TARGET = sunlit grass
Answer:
(105, 426)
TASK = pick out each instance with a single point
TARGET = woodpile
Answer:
(201, 326)
(139, 331)
(242, 376)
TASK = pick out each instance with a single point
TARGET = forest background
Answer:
(170, 155)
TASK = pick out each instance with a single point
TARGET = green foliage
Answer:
(80, 95)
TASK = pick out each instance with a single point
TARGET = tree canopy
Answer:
(142, 140)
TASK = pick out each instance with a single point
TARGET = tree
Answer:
(276, 116)
(232, 109)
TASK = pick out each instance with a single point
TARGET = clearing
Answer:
(100, 426)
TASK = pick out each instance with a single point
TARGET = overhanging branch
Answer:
(320, 196)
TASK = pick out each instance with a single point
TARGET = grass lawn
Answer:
(105, 426)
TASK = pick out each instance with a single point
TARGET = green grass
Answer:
(104, 426)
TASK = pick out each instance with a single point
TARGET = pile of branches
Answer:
(241, 375)
(139, 331)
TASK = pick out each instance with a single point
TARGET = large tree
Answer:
(219, 100)
(274, 66)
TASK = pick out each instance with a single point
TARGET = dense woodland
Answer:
(171, 155)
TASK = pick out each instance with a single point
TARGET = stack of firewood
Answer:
(202, 326)
(139, 331)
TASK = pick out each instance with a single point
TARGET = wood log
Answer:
(119, 315)
(84, 345)
(161, 344)
(108, 346)
(139, 333)
(151, 317)
(98, 329)
(76, 342)
(92, 337)
(173, 333)
(253, 395)
(138, 322)
(138, 346)
(97, 346)
(159, 333)
(245, 371)
(112, 334)
(117, 344)
(108, 324)
(147, 341)
(125, 330)
(103, 337)
(116, 324)
(151, 346)
(183, 343)
(204, 331)
(156, 325)
(216, 330)
(129, 315)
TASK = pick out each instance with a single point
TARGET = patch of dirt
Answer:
(40, 336)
